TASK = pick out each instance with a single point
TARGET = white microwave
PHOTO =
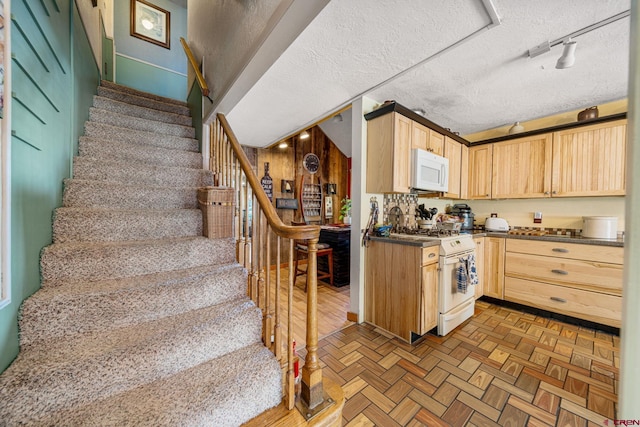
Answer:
(429, 171)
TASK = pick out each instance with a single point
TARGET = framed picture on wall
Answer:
(150, 23)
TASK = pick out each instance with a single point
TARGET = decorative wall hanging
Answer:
(150, 23)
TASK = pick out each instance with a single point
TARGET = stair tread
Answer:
(140, 93)
(57, 373)
(136, 123)
(96, 162)
(115, 105)
(137, 136)
(208, 394)
(140, 152)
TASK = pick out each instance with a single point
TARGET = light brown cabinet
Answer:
(480, 171)
(389, 154)
(522, 168)
(581, 281)
(458, 155)
(479, 288)
(426, 139)
(401, 288)
(494, 251)
(590, 160)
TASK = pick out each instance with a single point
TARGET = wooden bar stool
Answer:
(302, 251)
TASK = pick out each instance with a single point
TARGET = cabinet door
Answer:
(453, 152)
(479, 241)
(419, 136)
(429, 303)
(480, 164)
(389, 154)
(590, 161)
(494, 267)
(464, 172)
(522, 168)
(436, 142)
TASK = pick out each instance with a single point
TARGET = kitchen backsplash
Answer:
(557, 214)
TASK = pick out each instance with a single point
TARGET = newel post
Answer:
(312, 393)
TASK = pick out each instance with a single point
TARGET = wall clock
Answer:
(311, 163)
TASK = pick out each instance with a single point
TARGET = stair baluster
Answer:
(232, 168)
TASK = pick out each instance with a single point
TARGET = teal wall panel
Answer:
(54, 76)
(148, 78)
(107, 55)
(195, 105)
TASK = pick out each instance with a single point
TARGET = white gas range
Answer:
(454, 306)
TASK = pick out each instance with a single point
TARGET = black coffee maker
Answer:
(463, 211)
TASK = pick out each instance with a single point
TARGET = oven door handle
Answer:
(454, 259)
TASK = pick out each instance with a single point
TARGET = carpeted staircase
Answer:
(140, 319)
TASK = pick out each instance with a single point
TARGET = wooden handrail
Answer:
(281, 229)
(199, 77)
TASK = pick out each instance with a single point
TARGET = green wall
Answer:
(194, 101)
(149, 78)
(54, 77)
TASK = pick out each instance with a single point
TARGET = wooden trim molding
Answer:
(352, 317)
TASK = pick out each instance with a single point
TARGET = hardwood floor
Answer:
(502, 367)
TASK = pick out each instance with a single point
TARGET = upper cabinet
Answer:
(426, 139)
(480, 167)
(522, 168)
(389, 154)
(590, 160)
(577, 162)
(458, 155)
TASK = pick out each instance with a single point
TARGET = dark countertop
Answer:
(415, 241)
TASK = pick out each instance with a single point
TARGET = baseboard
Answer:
(352, 317)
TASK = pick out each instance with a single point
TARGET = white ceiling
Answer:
(363, 47)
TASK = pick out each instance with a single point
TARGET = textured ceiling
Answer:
(360, 47)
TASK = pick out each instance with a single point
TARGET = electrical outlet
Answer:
(537, 217)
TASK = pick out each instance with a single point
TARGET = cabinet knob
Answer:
(554, 192)
(563, 272)
(431, 255)
(557, 299)
(546, 193)
(562, 250)
(487, 194)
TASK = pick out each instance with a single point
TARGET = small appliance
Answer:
(496, 224)
(430, 172)
(600, 227)
(463, 211)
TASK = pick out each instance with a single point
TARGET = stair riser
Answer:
(139, 174)
(141, 112)
(123, 134)
(59, 262)
(130, 91)
(154, 357)
(115, 119)
(142, 153)
(85, 225)
(93, 194)
(104, 310)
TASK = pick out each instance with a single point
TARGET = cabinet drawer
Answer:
(589, 275)
(608, 254)
(430, 255)
(593, 306)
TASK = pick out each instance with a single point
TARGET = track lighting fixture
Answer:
(568, 54)
(304, 134)
(568, 57)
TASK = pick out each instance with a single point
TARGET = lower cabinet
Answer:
(401, 288)
(581, 281)
(494, 248)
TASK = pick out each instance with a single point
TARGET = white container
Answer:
(600, 227)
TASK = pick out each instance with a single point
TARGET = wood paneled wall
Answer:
(287, 164)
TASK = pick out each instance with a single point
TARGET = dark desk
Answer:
(339, 239)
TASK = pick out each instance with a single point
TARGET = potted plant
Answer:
(345, 210)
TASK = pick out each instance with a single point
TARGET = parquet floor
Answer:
(502, 367)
